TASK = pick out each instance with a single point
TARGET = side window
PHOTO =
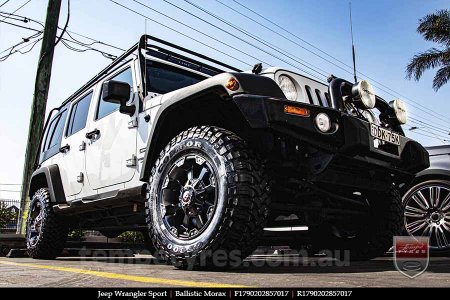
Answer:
(78, 115)
(55, 139)
(54, 135)
(106, 108)
(48, 134)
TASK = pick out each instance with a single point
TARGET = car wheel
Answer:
(427, 212)
(47, 232)
(207, 199)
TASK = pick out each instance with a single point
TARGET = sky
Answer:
(384, 33)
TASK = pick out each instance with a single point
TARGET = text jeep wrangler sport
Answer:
(210, 161)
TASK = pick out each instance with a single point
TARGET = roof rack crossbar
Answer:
(144, 45)
(102, 73)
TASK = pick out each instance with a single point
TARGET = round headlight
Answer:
(399, 108)
(288, 87)
(323, 122)
(363, 95)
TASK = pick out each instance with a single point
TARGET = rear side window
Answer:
(50, 130)
(78, 115)
(106, 108)
(52, 142)
(55, 139)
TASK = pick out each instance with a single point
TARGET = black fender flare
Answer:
(50, 177)
(427, 174)
(248, 84)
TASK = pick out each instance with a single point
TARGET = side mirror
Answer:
(118, 92)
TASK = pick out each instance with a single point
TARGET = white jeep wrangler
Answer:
(209, 161)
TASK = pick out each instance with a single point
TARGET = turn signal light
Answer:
(294, 110)
(232, 84)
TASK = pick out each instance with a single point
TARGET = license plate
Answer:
(384, 134)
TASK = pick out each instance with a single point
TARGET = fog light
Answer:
(323, 122)
(401, 113)
(363, 95)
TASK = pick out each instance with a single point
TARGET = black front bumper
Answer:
(351, 143)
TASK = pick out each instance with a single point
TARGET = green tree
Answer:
(435, 28)
(6, 215)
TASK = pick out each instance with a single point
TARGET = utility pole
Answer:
(41, 87)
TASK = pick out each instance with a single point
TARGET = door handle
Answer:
(91, 134)
(64, 149)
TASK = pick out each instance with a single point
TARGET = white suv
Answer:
(218, 157)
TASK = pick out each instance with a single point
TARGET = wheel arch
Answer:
(213, 108)
(428, 174)
(48, 177)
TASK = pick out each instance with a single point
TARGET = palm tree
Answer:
(435, 28)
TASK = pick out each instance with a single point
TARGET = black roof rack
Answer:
(119, 60)
(162, 53)
(144, 44)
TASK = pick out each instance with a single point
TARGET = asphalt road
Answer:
(259, 271)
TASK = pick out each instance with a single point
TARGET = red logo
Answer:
(411, 255)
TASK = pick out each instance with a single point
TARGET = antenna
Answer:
(353, 44)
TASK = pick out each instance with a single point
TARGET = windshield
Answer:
(163, 79)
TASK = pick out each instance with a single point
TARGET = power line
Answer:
(33, 44)
(183, 23)
(258, 39)
(433, 133)
(317, 48)
(18, 18)
(13, 49)
(20, 26)
(87, 48)
(105, 54)
(177, 31)
(112, 46)
(443, 140)
(198, 31)
(19, 8)
(443, 127)
(4, 3)
(430, 136)
(421, 123)
(69, 32)
(279, 34)
(239, 38)
(245, 32)
(10, 191)
(262, 41)
(24, 40)
(284, 29)
(65, 26)
(96, 41)
(11, 184)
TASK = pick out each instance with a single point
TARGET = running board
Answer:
(108, 200)
(287, 228)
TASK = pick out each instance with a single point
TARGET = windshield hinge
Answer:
(133, 123)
